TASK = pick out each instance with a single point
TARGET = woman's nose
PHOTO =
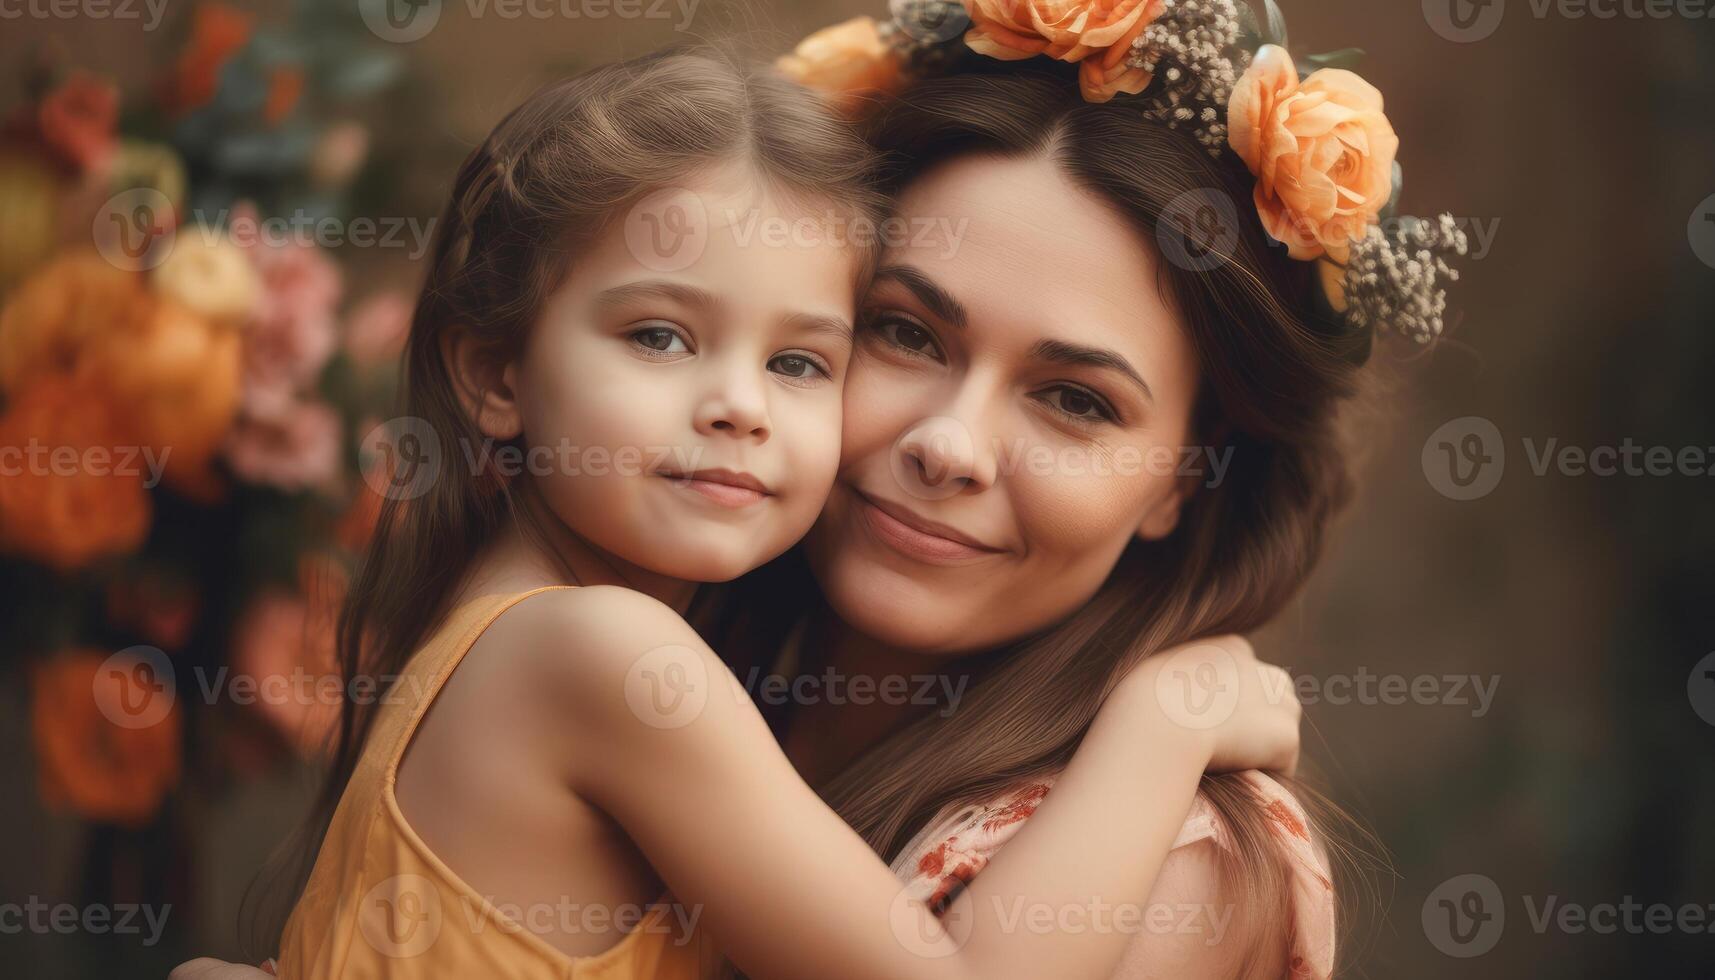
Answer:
(941, 456)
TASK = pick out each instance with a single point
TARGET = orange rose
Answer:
(1321, 150)
(849, 62)
(1096, 35)
(101, 769)
(49, 322)
(71, 493)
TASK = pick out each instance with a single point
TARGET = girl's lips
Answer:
(914, 542)
(724, 487)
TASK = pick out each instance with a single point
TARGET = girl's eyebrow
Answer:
(837, 328)
(688, 295)
(1066, 352)
(938, 300)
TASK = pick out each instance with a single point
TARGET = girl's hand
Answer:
(1242, 712)
(205, 968)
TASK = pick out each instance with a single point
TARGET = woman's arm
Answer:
(677, 753)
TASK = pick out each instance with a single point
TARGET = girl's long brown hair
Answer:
(1274, 382)
(556, 172)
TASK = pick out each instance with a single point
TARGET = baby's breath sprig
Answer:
(1192, 49)
(1393, 280)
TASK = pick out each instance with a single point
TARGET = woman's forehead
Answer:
(1026, 252)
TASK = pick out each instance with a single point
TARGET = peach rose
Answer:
(1096, 35)
(61, 310)
(849, 62)
(1321, 150)
(178, 376)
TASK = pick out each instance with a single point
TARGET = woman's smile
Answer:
(917, 537)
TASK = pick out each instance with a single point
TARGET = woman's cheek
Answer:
(1075, 513)
(878, 405)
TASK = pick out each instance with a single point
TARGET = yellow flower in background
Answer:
(74, 488)
(29, 207)
(849, 62)
(207, 274)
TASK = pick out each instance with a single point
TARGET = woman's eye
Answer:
(911, 338)
(664, 340)
(1078, 403)
(796, 366)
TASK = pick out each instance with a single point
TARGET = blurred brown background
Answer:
(1584, 144)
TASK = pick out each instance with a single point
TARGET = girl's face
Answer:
(1017, 412)
(680, 395)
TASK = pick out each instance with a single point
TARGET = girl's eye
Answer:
(905, 335)
(1078, 403)
(796, 366)
(664, 340)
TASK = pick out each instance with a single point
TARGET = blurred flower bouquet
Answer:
(184, 376)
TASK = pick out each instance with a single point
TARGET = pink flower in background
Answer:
(292, 334)
(375, 333)
(295, 447)
(285, 643)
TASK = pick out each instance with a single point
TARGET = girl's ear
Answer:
(487, 388)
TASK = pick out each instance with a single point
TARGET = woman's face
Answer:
(1017, 410)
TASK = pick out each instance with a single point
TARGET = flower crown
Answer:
(1322, 152)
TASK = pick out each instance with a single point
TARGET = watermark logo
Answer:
(1464, 916)
(919, 932)
(1464, 458)
(1700, 230)
(1198, 230)
(406, 458)
(667, 687)
(1464, 21)
(668, 230)
(930, 460)
(1198, 686)
(400, 21)
(135, 229)
(401, 916)
(1700, 688)
(136, 687)
(930, 21)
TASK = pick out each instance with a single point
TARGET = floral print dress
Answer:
(950, 851)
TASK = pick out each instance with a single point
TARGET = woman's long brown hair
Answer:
(1274, 382)
(552, 175)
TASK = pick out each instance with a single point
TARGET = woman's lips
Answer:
(724, 487)
(916, 537)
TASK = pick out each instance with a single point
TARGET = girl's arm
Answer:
(669, 744)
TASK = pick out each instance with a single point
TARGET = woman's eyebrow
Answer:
(688, 295)
(1065, 352)
(938, 300)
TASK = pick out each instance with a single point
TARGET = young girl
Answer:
(557, 751)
